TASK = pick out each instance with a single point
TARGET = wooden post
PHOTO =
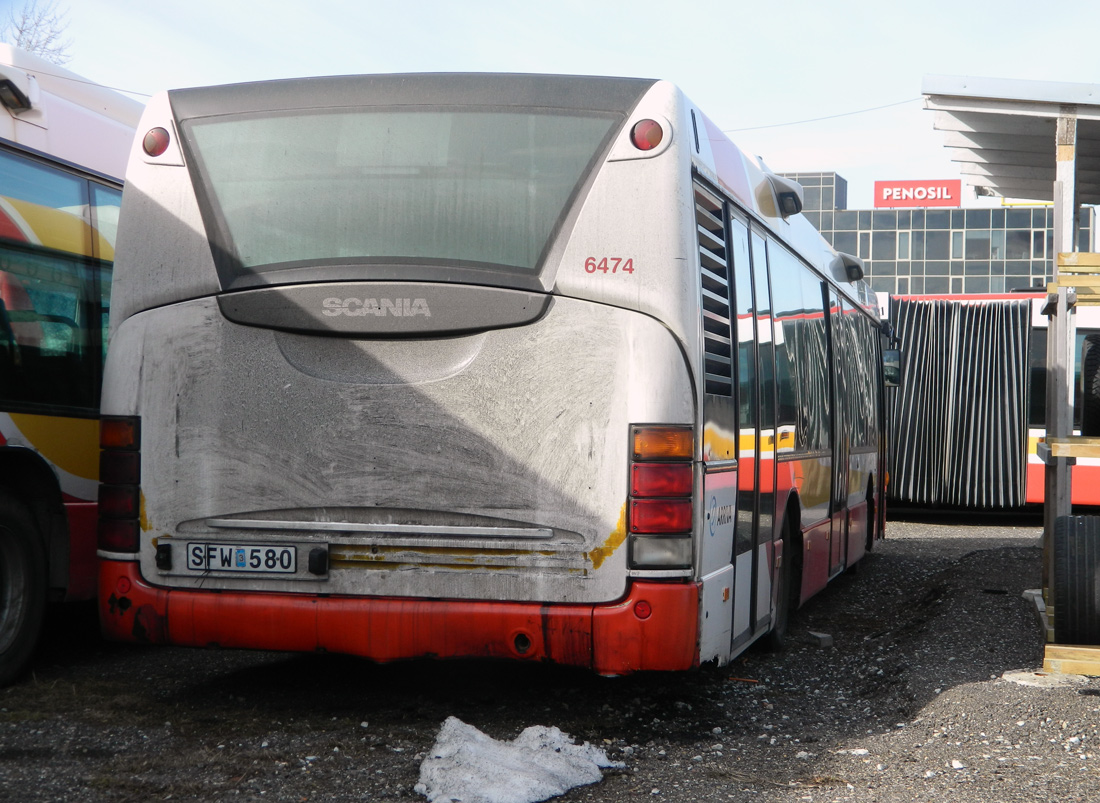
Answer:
(1061, 337)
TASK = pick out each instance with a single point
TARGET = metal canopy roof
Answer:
(1002, 133)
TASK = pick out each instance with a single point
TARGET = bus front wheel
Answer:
(22, 588)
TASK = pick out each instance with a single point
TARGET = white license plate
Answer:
(246, 558)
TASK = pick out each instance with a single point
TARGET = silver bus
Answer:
(520, 366)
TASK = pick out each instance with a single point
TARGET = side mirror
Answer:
(788, 193)
(853, 266)
(891, 367)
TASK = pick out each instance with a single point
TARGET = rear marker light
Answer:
(647, 135)
(642, 609)
(156, 141)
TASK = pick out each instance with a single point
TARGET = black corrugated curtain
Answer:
(959, 423)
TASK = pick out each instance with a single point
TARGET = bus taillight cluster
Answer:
(120, 483)
(661, 488)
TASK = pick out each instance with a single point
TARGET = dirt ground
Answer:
(910, 703)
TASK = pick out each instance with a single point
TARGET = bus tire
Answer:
(776, 639)
(1090, 386)
(1077, 580)
(872, 517)
(23, 580)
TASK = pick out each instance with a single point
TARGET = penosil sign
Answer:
(947, 192)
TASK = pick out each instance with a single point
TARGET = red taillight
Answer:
(119, 535)
(119, 468)
(120, 483)
(647, 135)
(156, 141)
(118, 501)
(660, 515)
(660, 479)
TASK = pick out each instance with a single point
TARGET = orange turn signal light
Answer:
(663, 443)
(118, 432)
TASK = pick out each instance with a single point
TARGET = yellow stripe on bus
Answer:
(71, 444)
(62, 230)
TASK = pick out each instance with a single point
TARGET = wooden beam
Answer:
(1074, 447)
(1065, 660)
(1079, 261)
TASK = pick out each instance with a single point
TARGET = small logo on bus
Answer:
(381, 307)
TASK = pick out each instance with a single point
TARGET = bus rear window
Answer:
(436, 187)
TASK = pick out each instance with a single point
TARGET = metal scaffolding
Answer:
(1041, 141)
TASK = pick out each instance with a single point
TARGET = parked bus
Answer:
(971, 410)
(535, 367)
(63, 146)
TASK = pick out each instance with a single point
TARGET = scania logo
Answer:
(355, 307)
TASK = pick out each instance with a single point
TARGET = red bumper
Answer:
(610, 639)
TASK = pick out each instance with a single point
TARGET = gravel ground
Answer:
(911, 703)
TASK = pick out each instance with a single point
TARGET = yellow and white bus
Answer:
(63, 148)
(534, 367)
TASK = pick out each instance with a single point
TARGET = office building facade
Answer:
(936, 250)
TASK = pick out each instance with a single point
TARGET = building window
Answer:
(977, 244)
(956, 245)
(1017, 244)
(884, 245)
(903, 246)
(997, 244)
(846, 241)
(847, 220)
(1038, 244)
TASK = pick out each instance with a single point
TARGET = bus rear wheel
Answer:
(776, 639)
(22, 588)
(1077, 580)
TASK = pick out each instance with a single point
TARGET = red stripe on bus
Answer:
(611, 639)
(83, 564)
(9, 229)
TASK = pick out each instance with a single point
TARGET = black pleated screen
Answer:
(959, 423)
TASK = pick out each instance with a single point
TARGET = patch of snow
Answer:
(468, 766)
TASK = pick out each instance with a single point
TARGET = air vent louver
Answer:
(710, 225)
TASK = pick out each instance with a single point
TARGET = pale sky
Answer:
(745, 64)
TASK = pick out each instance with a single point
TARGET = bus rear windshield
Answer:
(395, 187)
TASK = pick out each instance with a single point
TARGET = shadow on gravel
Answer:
(936, 606)
(1030, 516)
(904, 628)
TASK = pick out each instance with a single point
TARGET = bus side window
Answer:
(45, 298)
(787, 309)
(49, 260)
